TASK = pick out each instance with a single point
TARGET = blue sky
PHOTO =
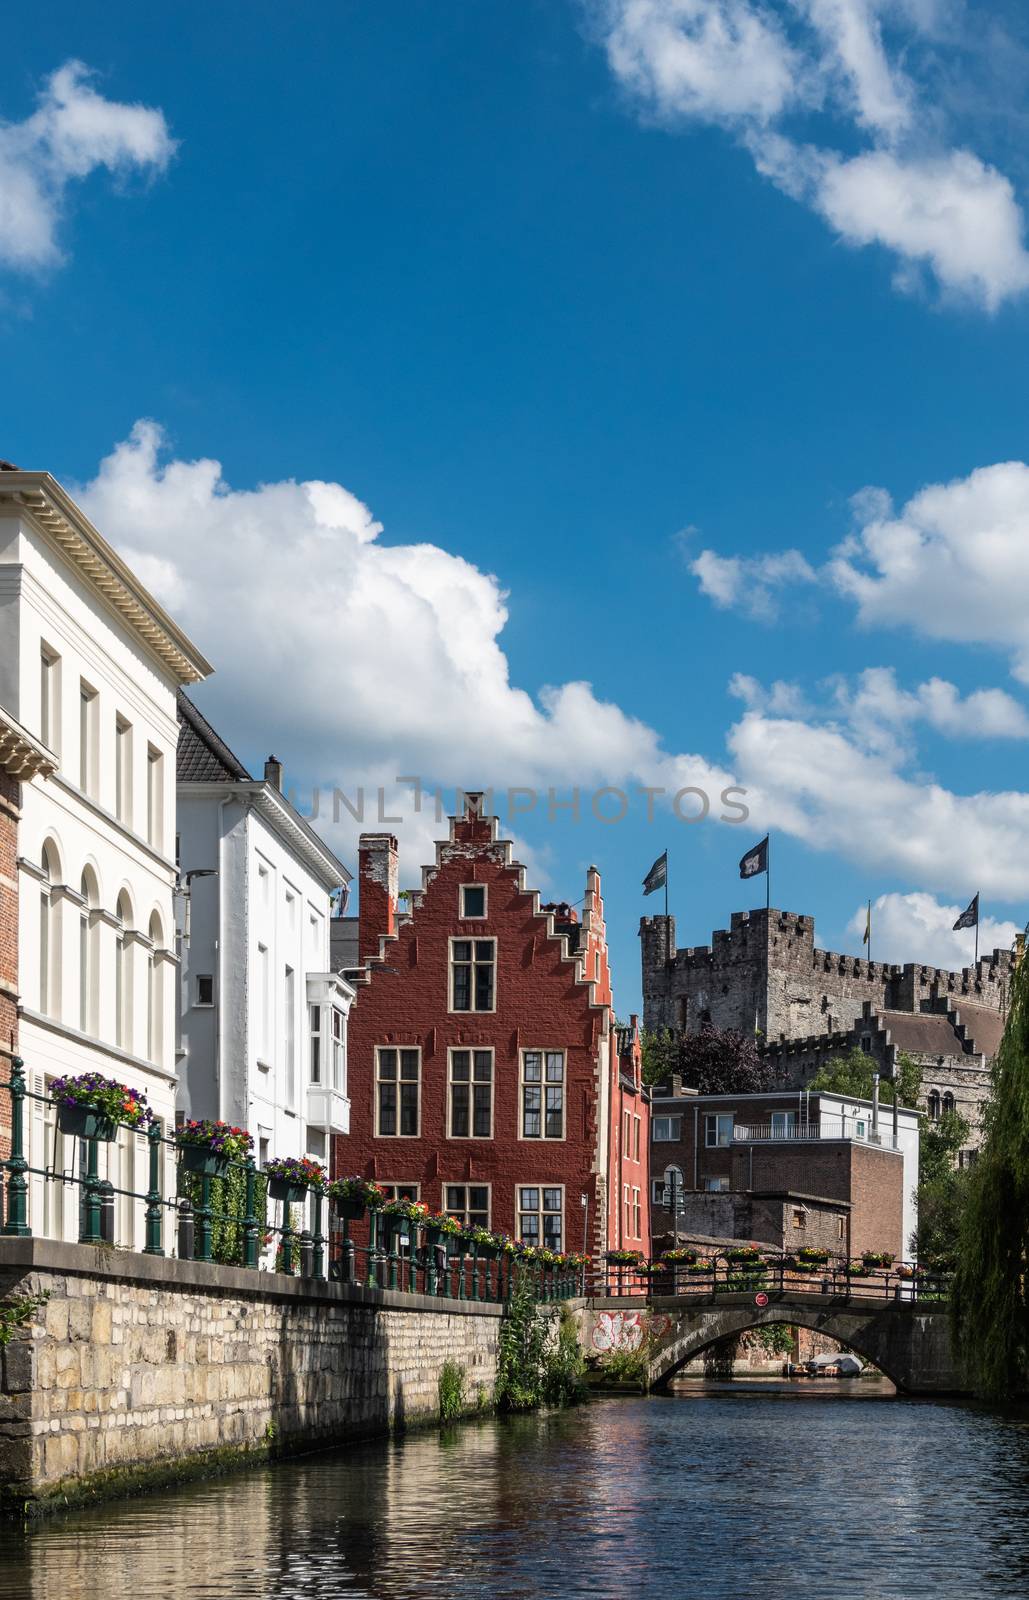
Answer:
(564, 295)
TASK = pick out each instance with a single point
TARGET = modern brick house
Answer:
(784, 1169)
(487, 1074)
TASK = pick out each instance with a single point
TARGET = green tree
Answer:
(723, 1061)
(851, 1075)
(660, 1052)
(990, 1299)
(942, 1191)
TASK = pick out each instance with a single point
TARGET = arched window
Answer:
(123, 975)
(49, 940)
(89, 966)
(934, 1105)
(948, 1102)
(155, 1006)
(668, 1191)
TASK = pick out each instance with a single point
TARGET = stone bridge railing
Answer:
(907, 1340)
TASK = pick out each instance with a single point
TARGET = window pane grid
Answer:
(398, 1092)
(543, 1094)
(472, 967)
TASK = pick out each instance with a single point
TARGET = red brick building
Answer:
(487, 1075)
(21, 758)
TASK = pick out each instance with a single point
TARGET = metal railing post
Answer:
(250, 1230)
(154, 1210)
(203, 1221)
(17, 1184)
(91, 1211)
(318, 1242)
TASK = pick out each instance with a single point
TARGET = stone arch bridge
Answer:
(908, 1341)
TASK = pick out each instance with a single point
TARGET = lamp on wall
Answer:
(185, 888)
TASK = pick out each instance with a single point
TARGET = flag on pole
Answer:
(657, 877)
(755, 861)
(969, 918)
(867, 936)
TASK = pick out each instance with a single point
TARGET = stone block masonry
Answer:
(140, 1369)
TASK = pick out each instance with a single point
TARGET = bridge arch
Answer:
(909, 1343)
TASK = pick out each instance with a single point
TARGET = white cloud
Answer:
(748, 583)
(73, 131)
(721, 60)
(952, 564)
(822, 785)
(358, 661)
(370, 659)
(949, 212)
(882, 95)
(747, 65)
(916, 927)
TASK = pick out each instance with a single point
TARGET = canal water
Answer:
(717, 1496)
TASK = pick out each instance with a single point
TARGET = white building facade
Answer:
(90, 664)
(262, 1018)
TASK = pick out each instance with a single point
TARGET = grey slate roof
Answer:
(343, 944)
(202, 756)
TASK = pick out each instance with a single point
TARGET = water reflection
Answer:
(731, 1498)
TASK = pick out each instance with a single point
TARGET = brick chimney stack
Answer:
(273, 772)
(378, 885)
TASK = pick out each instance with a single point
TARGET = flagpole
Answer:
(768, 874)
(978, 909)
(869, 956)
(666, 880)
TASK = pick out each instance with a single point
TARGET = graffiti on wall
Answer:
(626, 1330)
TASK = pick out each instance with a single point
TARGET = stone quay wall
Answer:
(140, 1369)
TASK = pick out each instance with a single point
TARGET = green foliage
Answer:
(15, 1313)
(628, 1366)
(532, 1370)
(942, 1191)
(451, 1391)
(660, 1054)
(939, 1144)
(228, 1205)
(990, 1298)
(851, 1075)
(776, 1339)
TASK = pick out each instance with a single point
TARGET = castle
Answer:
(765, 975)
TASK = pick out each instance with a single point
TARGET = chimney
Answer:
(378, 883)
(273, 772)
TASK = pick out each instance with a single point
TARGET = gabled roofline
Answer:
(64, 523)
(362, 973)
(212, 739)
(273, 808)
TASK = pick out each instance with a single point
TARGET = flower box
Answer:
(85, 1122)
(878, 1258)
(293, 1193)
(203, 1160)
(90, 1106)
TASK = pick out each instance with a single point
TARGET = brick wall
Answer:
(542, 1001)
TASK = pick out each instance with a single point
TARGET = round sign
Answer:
(761, 1299)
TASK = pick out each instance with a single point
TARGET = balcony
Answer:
(857, 1129)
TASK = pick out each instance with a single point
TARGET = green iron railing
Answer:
(400, 1254)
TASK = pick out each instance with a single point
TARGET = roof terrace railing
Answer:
(855, 1128)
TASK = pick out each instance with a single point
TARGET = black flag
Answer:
(755, 861)
(657, 877)
(969, 918)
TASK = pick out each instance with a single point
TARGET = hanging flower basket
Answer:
(439, 1226)
(813, 1255)
(700, 1268)
(878, 1258)
(352, 1197)
(747, 1255)
(91, 1106)
(290, 1178)
(677, 1258)
(209, 1148)
(624, 1258)
(486, 1245)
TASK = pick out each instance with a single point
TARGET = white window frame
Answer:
(542, 1083)
(473, 916)
(397, 1049)
(89, 712)
(540, 1212)
(673, 1137)
(712, 1125)
(49, 697)
(203, 1005)
(155, 796)
(472, 1084)
(472, 1009)
(783, 1124)
(123, 770)
(719, 1185)
(289, 1032)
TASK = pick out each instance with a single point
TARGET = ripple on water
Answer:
(727, 1499)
